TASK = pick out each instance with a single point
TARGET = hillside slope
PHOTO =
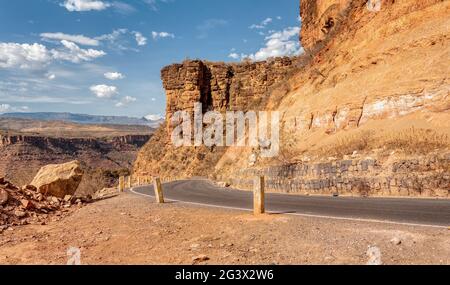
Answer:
(364, 111)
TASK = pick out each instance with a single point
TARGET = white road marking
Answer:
(299, 214)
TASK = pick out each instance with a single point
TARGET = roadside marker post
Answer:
(139, 181)
(259, 196)
(158, 190)
(129, 184)
(121, 183)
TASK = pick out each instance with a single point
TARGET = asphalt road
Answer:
(426, 212)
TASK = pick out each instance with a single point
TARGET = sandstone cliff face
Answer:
(321, 18)
(377, 65)
(220, 86)
(374, 84)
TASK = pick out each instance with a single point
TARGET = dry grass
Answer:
(416, 141)
(411, 141)
(348, 144)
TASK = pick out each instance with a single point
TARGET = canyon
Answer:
(370, 93)
(105, 152)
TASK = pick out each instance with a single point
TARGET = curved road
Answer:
(420, 212)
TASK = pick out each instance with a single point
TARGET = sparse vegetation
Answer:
(416, 141)
(409, 141)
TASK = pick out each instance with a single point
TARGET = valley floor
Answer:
(129, 229)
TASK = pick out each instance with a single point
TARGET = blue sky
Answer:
(104, 57)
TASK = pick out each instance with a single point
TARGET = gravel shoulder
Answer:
(129, 229)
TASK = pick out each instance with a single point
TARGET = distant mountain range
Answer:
(84, 119)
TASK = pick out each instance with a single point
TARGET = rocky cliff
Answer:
(75, 143)
(373, 85)
(222, 87)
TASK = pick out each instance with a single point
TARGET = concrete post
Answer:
(259, 196)
(158, 190)
(129, 185)
(121, 183)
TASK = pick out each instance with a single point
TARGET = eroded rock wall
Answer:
(321, 18)
(221, 86)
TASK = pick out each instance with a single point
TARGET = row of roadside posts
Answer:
(125, 182)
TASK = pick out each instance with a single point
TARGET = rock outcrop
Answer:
(373, 80)
(59, 180)
(74, 143)
(222, 87)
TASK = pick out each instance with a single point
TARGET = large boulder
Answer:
(59, 180)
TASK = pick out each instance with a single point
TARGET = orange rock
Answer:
(59, 180)
(27, 204)
(3, 197)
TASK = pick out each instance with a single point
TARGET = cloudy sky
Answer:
(104, 57)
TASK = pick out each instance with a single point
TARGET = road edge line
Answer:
(299, 214)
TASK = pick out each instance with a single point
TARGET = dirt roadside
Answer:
(130, 229)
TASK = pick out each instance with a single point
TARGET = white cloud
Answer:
(123, 8)
(267, 21)
(79, 39)
(157, 35)
(129, 99)
(234, 55)
(7, 108)
(104, 91)
(37, 56)
(209, 25)
(4, 108)
(51, 76)
(282, 43)
(262, 25)
(112, 36)
(140, 39)
(154, 117)
(21, 109)
(118, 39)
(85, 5)
(24, 56)
(75, 54)
(114, 75)
(125, 101)
(153, 3)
